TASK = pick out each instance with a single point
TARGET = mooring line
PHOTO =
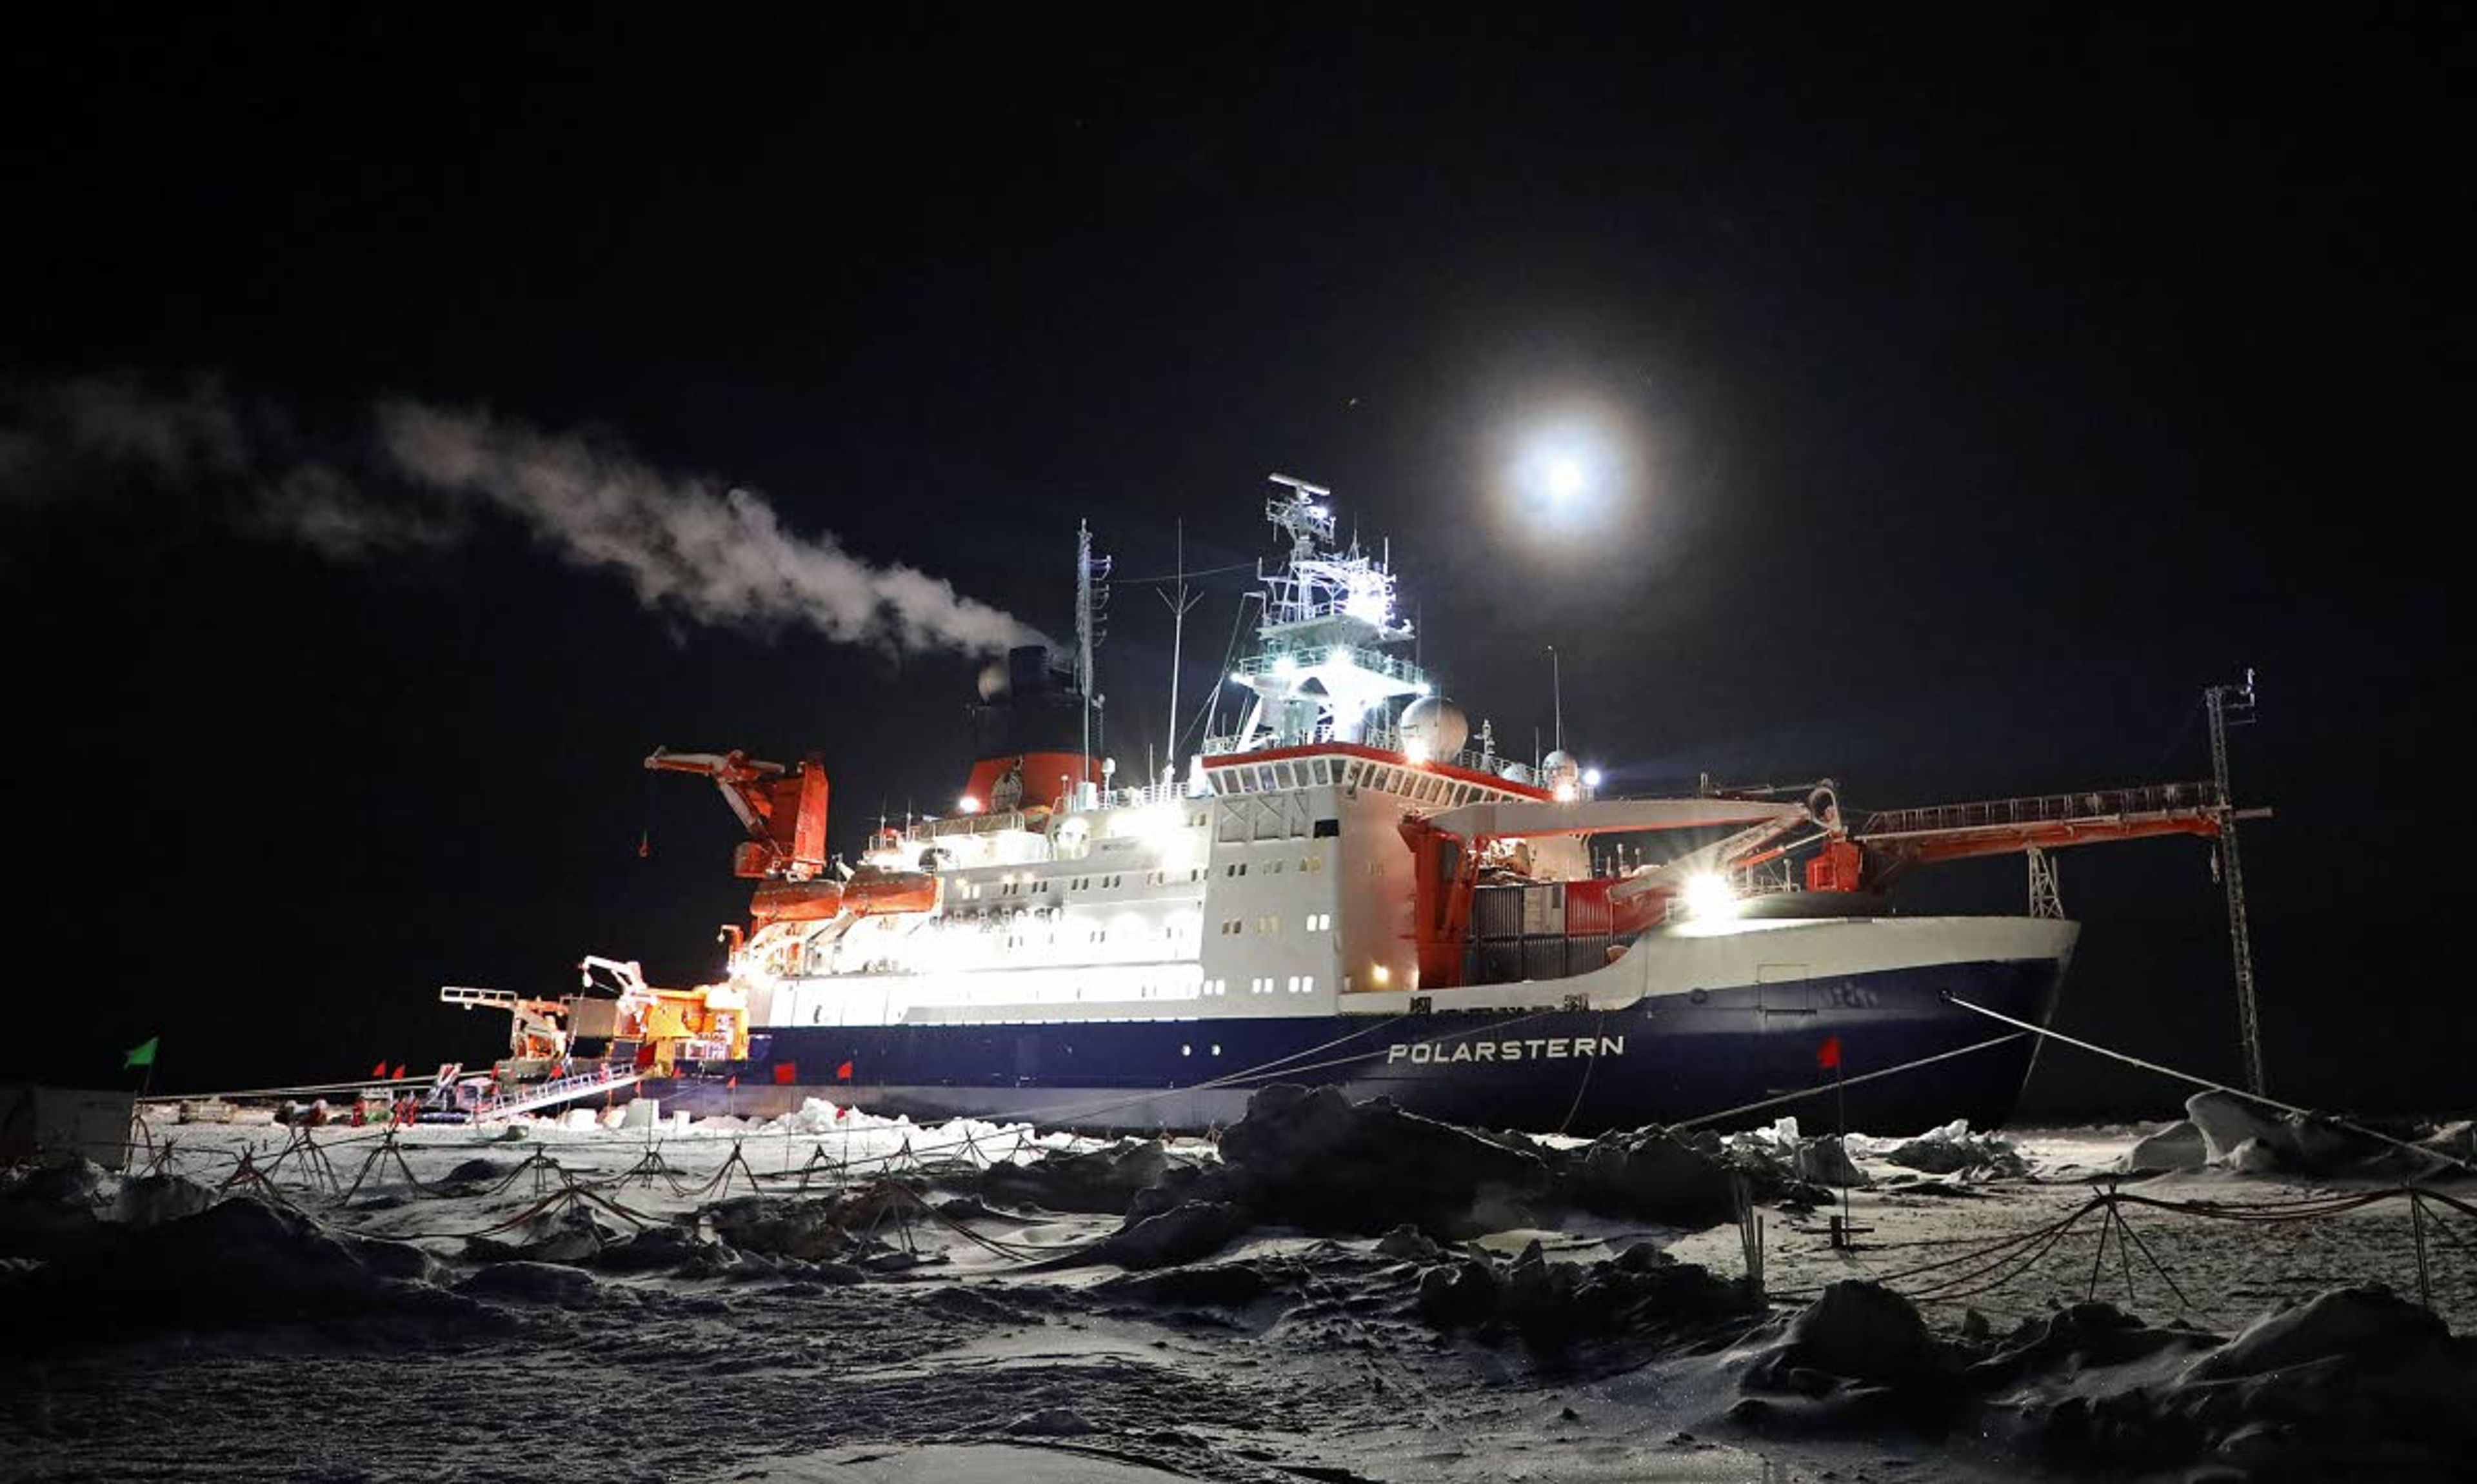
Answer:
(2128, 1059)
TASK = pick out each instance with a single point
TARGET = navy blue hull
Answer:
(1666, 1059)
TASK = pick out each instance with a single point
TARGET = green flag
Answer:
(141, 1054)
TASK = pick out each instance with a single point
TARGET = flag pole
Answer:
(129, 1136)
(1840, 1098)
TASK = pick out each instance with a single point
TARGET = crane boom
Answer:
(783, 809)
(1897, 841)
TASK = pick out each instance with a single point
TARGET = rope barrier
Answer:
(2333, 1120)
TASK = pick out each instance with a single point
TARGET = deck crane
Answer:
(1890, 843)
(783, 809)
(1453, 847)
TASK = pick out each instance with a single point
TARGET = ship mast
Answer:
(1091, 601)
(1178, 607)
(1320, 672)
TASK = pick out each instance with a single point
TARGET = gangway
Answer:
(497, 1105)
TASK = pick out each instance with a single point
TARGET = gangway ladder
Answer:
(534, 1097)
(2232, 706)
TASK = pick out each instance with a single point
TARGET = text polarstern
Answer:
(1534, 1049)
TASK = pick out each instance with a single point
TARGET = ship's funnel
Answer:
(1027, 735)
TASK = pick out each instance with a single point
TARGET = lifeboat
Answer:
(877, 892)
(796, 902)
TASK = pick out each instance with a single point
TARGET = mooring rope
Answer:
(1786, 1099)
(2128, 1059)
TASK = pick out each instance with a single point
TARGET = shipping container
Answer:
(1544, 957)
(1585, 952)
(1587, 906)
(1543, 910)
(1498, 961)
(1496, 912)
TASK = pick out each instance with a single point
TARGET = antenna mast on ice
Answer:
(2232, 706)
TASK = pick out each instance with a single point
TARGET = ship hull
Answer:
(1729, 1057)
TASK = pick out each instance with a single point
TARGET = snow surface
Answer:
(847, 1331)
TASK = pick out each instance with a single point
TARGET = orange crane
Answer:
(1894, 842)
(783, 809)
(1449, 847)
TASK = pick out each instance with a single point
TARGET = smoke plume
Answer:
(421, 476)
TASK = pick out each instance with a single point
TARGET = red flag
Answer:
(786, 1073)
(1827, 1056)
(379, 1071)
(399, 1071)
(842, 1073)
(841, 1114)
(731, 1080)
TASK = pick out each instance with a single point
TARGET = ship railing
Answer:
(1375, 661)
(1293, 612)
(967, 825)
(2157, 799)
(1131, 798)
(507, 1103)
(1390, 740)
(1383, 739)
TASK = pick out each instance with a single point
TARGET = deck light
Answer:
(1711, 897)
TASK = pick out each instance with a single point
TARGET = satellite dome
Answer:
(1433, 727)
(1561, 773)
(1515, 773)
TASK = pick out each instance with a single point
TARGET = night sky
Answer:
(1969, 393)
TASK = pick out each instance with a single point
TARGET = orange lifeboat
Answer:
(875, 893)
(796, 902)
